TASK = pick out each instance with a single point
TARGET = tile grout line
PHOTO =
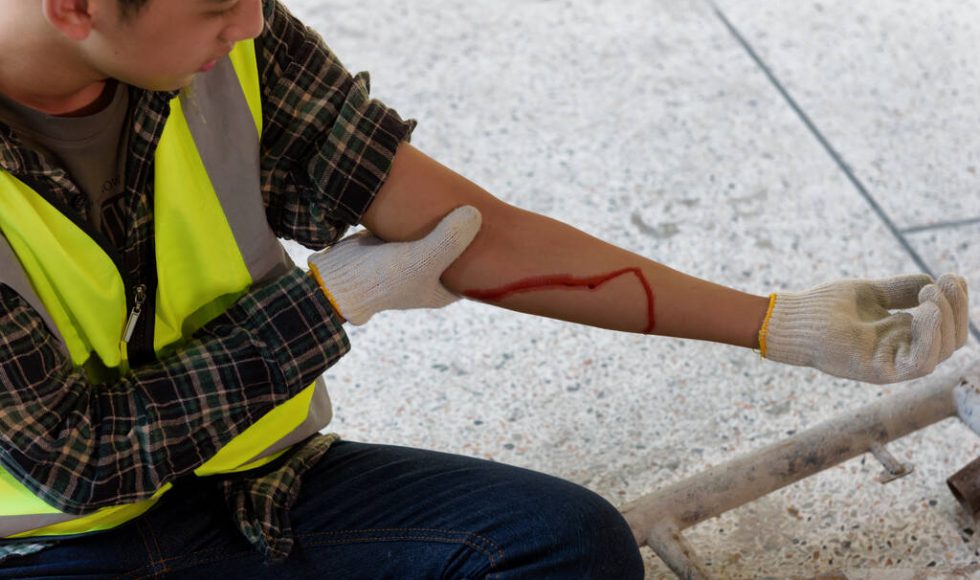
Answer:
(941, 226)
(830, 150)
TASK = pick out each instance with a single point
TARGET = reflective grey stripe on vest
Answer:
(13, 275)
(227, 140)
(10, 525)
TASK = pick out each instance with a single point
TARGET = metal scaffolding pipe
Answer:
(659, 518)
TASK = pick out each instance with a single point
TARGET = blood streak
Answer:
(566, 281)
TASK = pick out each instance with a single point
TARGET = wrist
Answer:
(314, 273)
(795, 328)
(763, 334)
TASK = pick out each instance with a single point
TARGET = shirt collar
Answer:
(17, 158)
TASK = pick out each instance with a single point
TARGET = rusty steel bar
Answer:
(659, 519)
(965, 485)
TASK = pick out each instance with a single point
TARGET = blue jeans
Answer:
(371, 511)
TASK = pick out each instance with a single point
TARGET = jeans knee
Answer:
(582, 535)
(605, 541)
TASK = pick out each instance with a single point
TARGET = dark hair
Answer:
(131, 7)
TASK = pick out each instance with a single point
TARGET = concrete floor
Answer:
(761, 144)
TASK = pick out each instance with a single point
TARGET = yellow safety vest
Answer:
(212, 244)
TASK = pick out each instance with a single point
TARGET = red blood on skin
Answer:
(559, 281)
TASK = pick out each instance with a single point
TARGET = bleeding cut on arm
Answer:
(567, 282)
(534, 264)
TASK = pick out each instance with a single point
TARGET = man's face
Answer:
(167, 42)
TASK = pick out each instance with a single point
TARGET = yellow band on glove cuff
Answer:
(315, 272)
(764, 331)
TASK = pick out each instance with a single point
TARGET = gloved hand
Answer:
(362, 275)
(845, 328)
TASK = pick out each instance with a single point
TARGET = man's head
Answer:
(153, 44)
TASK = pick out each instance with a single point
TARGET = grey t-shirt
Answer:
(92, 148)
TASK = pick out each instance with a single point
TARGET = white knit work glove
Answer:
(362, 275)
(845, 328)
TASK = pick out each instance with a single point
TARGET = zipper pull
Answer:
(134, 314)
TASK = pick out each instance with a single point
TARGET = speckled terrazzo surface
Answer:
(650, 124)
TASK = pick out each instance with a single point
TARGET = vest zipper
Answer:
(138, 332)
(134, 314)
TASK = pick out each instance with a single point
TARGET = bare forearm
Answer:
(534, 264)
(531, 263)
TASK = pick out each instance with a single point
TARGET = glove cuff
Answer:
(341, 286)
(793, 327)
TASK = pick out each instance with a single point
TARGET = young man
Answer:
(159, 357)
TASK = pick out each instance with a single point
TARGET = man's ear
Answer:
(73, 18)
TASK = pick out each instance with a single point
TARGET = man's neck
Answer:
(45, 74)
(84, 102)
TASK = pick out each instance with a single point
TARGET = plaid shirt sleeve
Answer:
(80, 446)
(327, 146)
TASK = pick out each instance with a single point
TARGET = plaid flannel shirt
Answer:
(326, 150)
